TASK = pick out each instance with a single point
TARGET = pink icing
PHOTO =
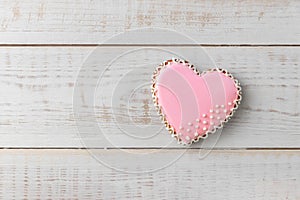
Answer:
(193, 104)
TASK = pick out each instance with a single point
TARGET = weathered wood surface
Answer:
(208, 22)
(37, 101)
(51, 71)
(74, 174)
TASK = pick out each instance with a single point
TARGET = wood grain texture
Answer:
(37, 102)
(74, 174)
(59, 90)
(92, 22)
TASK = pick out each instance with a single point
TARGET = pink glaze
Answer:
(193, 104)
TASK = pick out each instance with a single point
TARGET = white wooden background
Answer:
(43, 45)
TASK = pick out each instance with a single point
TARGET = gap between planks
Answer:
(149, 45)
(152, 148)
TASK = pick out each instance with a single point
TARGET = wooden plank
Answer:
(74, 174)
(93, 22)
(37, 101)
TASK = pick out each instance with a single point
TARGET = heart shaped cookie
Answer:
(193, 104)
